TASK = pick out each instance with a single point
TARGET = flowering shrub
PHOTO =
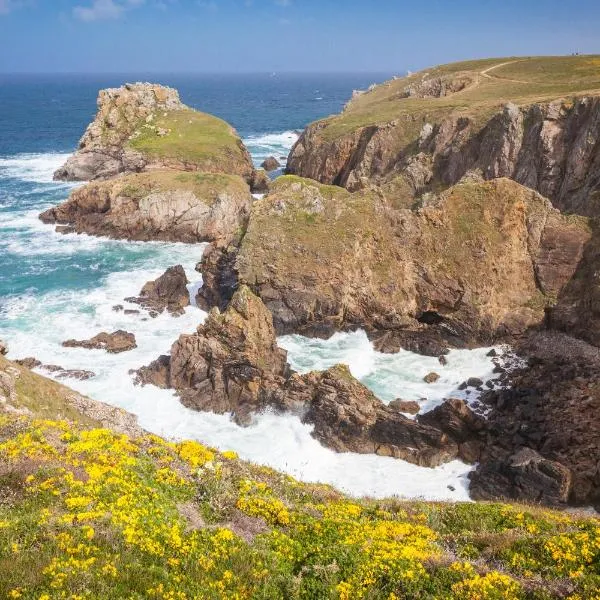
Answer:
(96, 514)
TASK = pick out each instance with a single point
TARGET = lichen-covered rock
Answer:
(479, 262)
(160, 205)
(145, 126)
(168, 292)
(114, 343)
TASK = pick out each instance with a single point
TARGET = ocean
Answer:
(54, 287)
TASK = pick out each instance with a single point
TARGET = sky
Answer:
(158, 36)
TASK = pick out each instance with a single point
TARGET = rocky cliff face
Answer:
(433, 129)
(159, 205)
(478, 262)
(145, 126)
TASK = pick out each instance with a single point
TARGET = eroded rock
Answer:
(114, 343)
(168, 292)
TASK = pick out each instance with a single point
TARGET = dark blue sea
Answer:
(54, 287)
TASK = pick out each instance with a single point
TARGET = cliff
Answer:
(476, 263)
(168, 205)
(143, 126)
(534, 120)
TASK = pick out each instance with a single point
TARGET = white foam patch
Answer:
(392, 376)
(271, 144)
(36, 168)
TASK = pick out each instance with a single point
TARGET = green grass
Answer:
(193, 138)
(205, 186)
(523, 80)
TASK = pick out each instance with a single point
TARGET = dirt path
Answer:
(485, 72)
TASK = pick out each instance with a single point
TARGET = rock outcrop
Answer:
(323, 259)
(270, 164)
(159, 205)
(542, 432)
(145, 126)
(114, 343)
(168, 292)
(232, 364)
(523, 119)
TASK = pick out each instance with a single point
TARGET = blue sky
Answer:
(284, 35)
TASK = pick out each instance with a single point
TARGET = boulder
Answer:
(168, 292)
(525, 476)
(411, 407)
(431, 377)
(3, 348)
(270, 164)
(114, 343)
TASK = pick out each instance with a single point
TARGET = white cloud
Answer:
(105, 9)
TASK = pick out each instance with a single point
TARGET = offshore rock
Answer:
(114, 343)
(168, 292)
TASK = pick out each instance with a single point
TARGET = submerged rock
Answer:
(114, 343)
(168, 292)
(270, 164)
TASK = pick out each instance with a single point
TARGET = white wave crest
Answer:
(271, 144)
(36, 168)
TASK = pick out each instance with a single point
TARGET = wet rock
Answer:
(474, 382)
(443, 360)
(524, 476)
(431, 377)
(117, 307)
(425, 342)
(406, 406)
(492, 353)
(349, 418)
(114, 343)
(3, 348)
(62, 373)
(168, 292)
(270, 164)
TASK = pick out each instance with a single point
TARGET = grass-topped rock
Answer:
(145, 126)
(180, 206)
(479, 261)
(535, 120)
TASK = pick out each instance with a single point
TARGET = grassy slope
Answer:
(521, 80)
(205, 186)
(93, 514)
(192, 137)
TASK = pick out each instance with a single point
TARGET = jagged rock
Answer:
(159, 205)
(168, 292)
(114, 343)
(3, 348)
(426, 342)
(29, 362)
(348, 418)
(431, 377)
(62, 373)
(145, 126)
(260, 183)
(219, 276)
(525, 476)
(406, 406)
(458, 421)
(229, 364)
(270, 164)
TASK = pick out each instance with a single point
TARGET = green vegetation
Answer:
(522, 80)
(193, 138)
(205, 186)
(90, 513)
